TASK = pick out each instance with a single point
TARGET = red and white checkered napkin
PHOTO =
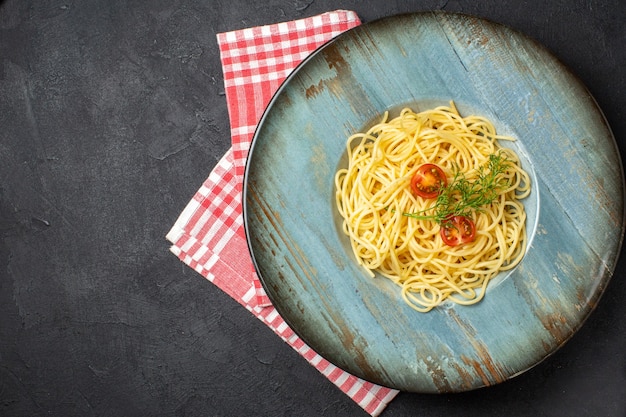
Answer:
(209, 234)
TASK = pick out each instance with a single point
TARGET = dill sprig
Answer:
(461, 196)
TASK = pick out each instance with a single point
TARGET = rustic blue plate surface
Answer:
(575, 213)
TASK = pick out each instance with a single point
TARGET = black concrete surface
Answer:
(112, 113)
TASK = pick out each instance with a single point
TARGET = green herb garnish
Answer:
(461, 196)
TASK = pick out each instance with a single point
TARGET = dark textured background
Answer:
(112, 114)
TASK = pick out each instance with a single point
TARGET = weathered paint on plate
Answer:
(575, 214)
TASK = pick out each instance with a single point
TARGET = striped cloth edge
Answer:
(209, 235)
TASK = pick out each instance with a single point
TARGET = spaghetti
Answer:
(401, 235)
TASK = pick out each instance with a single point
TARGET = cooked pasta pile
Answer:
(404, 236)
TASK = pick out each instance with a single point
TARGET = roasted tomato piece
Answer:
(457, 229)
(428, 181)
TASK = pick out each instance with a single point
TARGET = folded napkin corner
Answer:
(209, 235)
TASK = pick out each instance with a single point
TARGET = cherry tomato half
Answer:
(428, 180)
(457, 229)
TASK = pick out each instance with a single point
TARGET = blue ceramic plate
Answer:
(575, 213)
